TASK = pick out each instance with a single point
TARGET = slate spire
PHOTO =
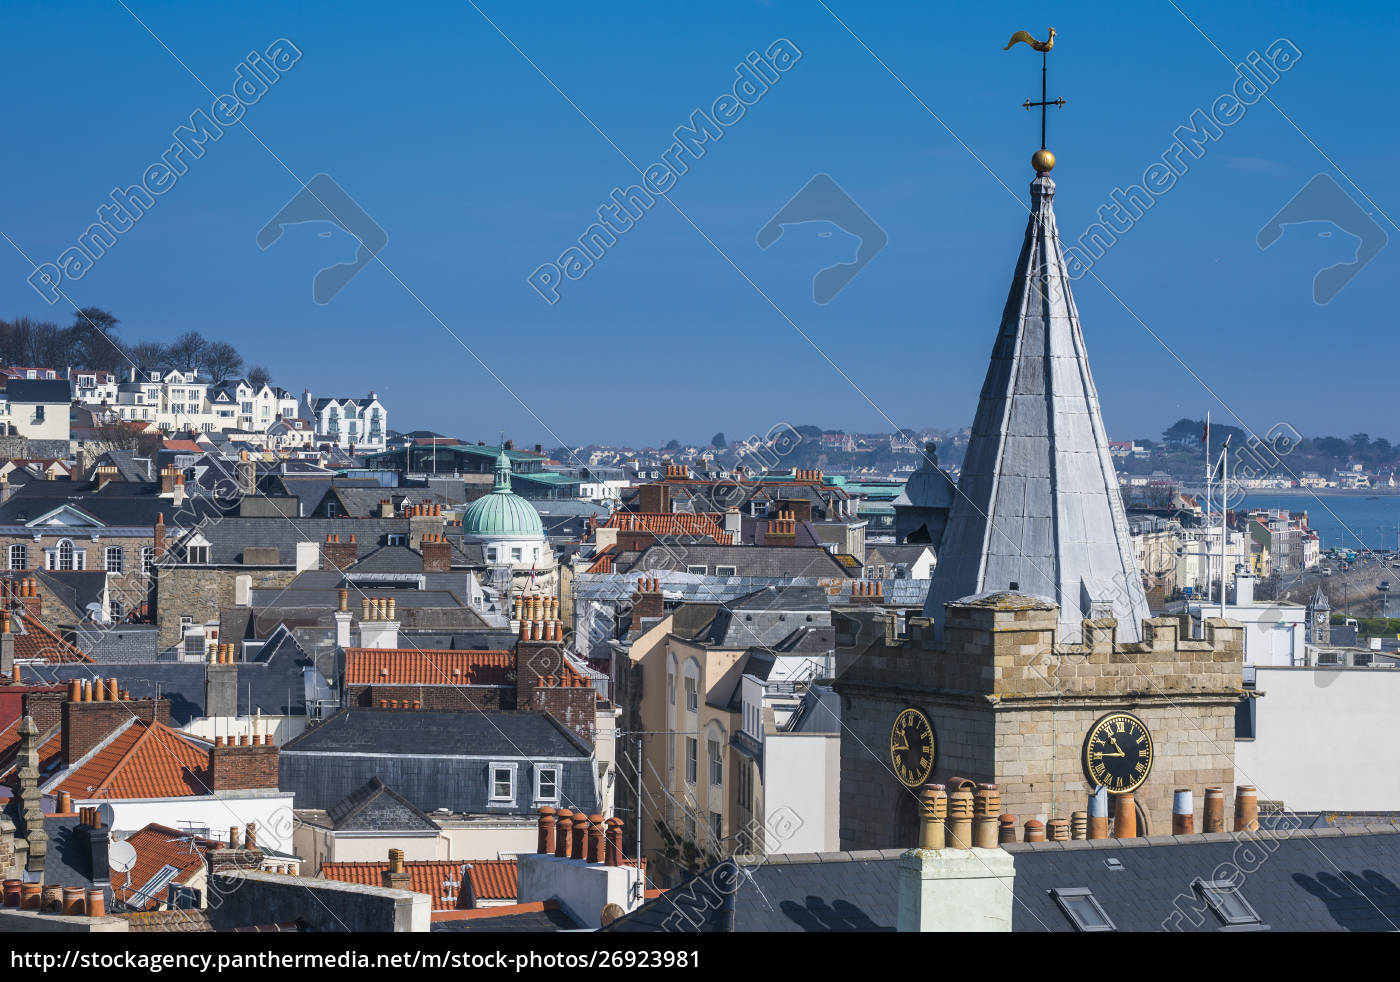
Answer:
(1038, 504)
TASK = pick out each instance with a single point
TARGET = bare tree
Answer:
(258, 376)
(149, 355)
(188, 350)
(222, 360)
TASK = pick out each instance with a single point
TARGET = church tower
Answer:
(1037, 508)
(1320, 620)
(1035, 666)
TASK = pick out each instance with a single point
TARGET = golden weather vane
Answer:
(1044, 160)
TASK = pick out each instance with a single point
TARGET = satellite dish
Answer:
(105, 814)
(121, 857)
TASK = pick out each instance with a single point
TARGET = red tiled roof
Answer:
(486, 913)
(602, 565)
(145, 760)
(491, 879)
(158, 846)
(184, 446)
(398, 666)
(49, 750)
(669, 523)
(35, 642)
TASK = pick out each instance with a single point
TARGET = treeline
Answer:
(1320, 453)
(93, 341)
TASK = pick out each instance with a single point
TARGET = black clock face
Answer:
(913, 749)
(1118, 753)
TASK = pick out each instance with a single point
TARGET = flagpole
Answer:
(1224, 535)
(1210, 575)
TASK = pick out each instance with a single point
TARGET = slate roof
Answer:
(38, 390)
(784, 562)
(75, 589)
(117, 505)
(120, 645)
(376, 807)
(231, 536)
(1304, 880)
(437, 733)
(274, 678)
(398, 666)
(436, 759)
(69, 859)
(1038, 501)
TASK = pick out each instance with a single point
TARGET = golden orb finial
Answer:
(1043, 161)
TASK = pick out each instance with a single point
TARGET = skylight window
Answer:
(1227, 902)
(1082, 909)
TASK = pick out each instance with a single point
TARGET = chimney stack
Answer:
(1006, 830)
(1246, 809)
(960, 820)
(563, 833)
(1035, 830)
(1183, 811)
(546, 831)
(1098, 814)
(614, 841)
(1079, 825)
(1125, 817)
(933, 807)
(397, 877)
(986, 807)
(1213, 813)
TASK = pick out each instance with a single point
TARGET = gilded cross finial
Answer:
(1043, 160)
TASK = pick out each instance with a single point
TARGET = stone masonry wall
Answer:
(1008, 705)
(200, 592)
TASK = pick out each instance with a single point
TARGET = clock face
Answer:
(912, 747)
(1118, 753)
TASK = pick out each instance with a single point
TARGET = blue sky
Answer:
(479, 170)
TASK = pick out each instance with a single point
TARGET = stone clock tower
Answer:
(1036, 625)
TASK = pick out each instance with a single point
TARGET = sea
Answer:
(1353, 520)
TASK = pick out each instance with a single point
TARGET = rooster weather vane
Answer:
(1044, 160)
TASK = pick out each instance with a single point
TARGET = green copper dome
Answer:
(502, 512)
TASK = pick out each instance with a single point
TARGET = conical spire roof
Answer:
(1038, 504)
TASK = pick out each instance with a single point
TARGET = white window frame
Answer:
(540, 770)
(716, 754)
(492, 772)
(117, 553)
(692, 695)
(692, 759)
(148, 559)
(20, 550)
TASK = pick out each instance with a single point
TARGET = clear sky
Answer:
(479, 170)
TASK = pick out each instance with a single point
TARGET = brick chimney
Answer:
(782, 531)
(437, 553)
(648, 602)
(167, 479)
(242, 766)
(92, 712)
(337, 555)
(396, 877)
(158, 536)
(654, 498)
(801, 508)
